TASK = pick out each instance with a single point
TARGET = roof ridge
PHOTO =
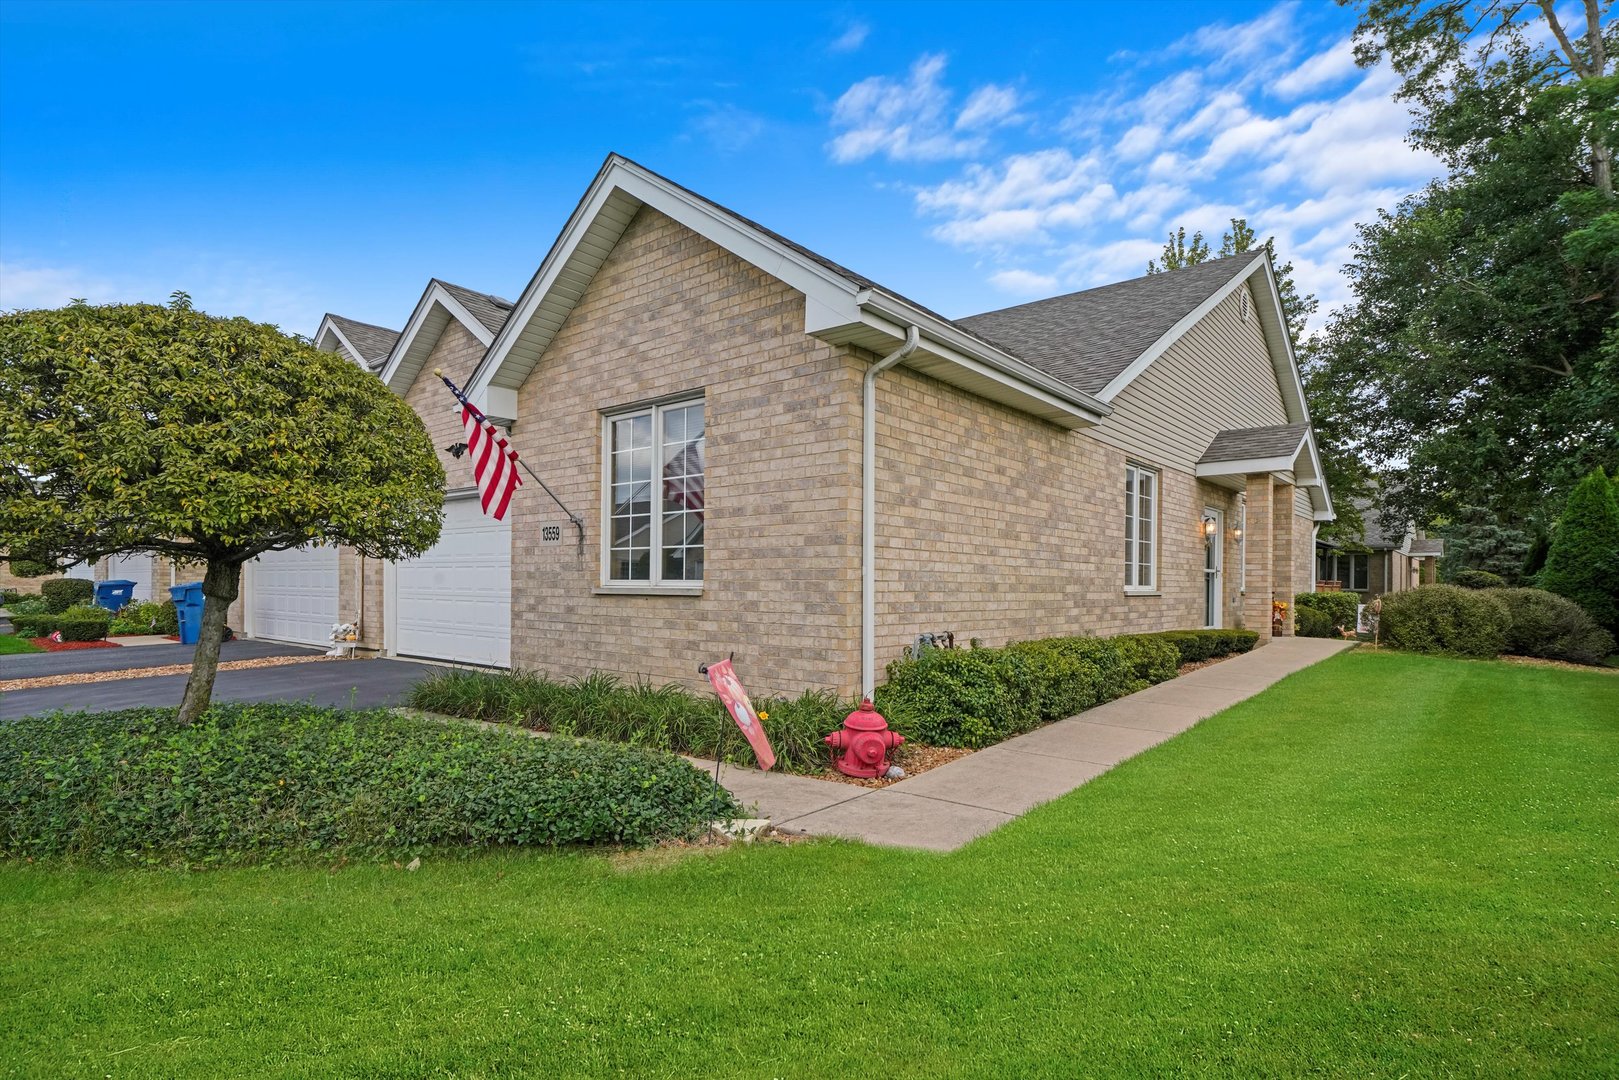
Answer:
(501, 300)
(1140, 279)
(360, 322)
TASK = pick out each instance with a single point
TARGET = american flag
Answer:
(494, 462)
(683, 480)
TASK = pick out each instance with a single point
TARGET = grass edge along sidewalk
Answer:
(1384, 865)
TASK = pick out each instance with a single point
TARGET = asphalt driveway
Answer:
(358, 683)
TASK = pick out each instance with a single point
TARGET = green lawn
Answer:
(11, 643)
(1385, 866)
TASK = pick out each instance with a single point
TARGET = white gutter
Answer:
(868, 510)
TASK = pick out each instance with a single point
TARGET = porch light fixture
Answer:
(1210, 527)
(1236, 533)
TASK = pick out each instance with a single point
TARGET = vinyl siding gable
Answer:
(1218, 375)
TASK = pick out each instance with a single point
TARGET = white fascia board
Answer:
(1320, 497)
(1275, 319)
(1173, 334)
(1245, 466)
(949, 343)
(439, 295)
(829, 296)
(327, 327)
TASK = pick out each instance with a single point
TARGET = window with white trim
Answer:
(1140, 528)
(654, 507)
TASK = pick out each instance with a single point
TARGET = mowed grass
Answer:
(1384, 866)
(11, 644)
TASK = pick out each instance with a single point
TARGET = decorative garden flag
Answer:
(729, 688)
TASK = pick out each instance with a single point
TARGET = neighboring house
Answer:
(777, 457)
(1381, 563)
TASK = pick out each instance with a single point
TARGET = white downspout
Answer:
(868, 511)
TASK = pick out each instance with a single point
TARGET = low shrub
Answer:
(11, 596)
(1199, 645)
(1543, 624)
(1339, 607)
(1313, 622)
(601, 706)
(79, 623)
(1150, 659)
(28, 605)
(267, 783)
(962, 697)
(1479, 579)
(63, 593)
(147, 617)
(1444, 619)
(1075, 674)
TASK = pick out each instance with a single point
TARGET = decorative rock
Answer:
(895, 773)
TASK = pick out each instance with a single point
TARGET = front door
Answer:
(1213, 557)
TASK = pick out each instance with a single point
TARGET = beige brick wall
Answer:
(997, 526)
(671, 314)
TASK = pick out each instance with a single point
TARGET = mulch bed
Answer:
(1199, 664)
(1535, 661)
(913, 759)
(69, 646)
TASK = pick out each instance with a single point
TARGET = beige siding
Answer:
(1217, 376)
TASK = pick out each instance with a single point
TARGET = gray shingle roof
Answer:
(1427, 545)
(487, 308)
(1372, 535)
(374, 342)
(1087, 338)
(1246, 444)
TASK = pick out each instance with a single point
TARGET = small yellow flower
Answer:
(280, 783)
(764, 716)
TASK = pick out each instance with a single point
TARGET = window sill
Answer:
(1142, 592)
(647, 590)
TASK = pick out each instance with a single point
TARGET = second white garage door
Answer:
(292, 595)
(455, 602)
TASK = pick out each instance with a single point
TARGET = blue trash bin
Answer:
(114, 595)
(188, 606)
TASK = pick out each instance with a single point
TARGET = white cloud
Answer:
(994, 228)
(27, 286)
(218, 285)
(1322, 68)
(1036, 179)
(1023, 282)
(904, 121)
(726, 127)
(851, 39)
(1260, 38)
(988, 106)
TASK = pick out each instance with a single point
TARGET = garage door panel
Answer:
(293, 596)
(454, 603)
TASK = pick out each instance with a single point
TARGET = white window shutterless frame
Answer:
(1140, 529)
(653, 479)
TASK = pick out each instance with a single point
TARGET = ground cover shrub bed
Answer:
(268, 783)
(1415, 881)
(147, 617)
(671, 718)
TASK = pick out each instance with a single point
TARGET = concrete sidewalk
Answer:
(942, 809)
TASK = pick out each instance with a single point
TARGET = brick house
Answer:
(769, 454)
(1383, 562)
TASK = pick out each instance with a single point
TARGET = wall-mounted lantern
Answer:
(1211, 525)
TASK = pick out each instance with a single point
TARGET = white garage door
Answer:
(292, 595)
(136, 568)
(455, 602)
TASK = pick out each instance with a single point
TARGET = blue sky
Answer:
(287, 159)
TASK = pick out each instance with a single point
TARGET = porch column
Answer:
(1258, 562)
(1283, 549)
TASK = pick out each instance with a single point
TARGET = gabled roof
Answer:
(1239, 452)
(1240, 444)
(482, 314)
(1088, 338)
(840, 306)
(364, 343)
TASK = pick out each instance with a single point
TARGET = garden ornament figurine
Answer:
(344, 637)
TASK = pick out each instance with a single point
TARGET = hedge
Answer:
(600, 706)
(1199, 645)
(268, 783)
(1342, 608)
(1479, 579)
(63, 593)
(82, 623)
(1543, 624)
(1444, 619)
(1313, 622)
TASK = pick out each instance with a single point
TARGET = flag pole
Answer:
(577, 521)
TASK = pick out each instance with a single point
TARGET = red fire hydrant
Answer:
(861, 748)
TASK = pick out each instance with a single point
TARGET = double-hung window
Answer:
(1140, 529)
(655, 496)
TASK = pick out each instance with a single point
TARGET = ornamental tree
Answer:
(1583, 563)
(131, 428)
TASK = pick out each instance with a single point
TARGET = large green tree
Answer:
(1583, 563)
(140, 428)
(1480, 352)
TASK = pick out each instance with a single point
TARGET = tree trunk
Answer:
(220, 584)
